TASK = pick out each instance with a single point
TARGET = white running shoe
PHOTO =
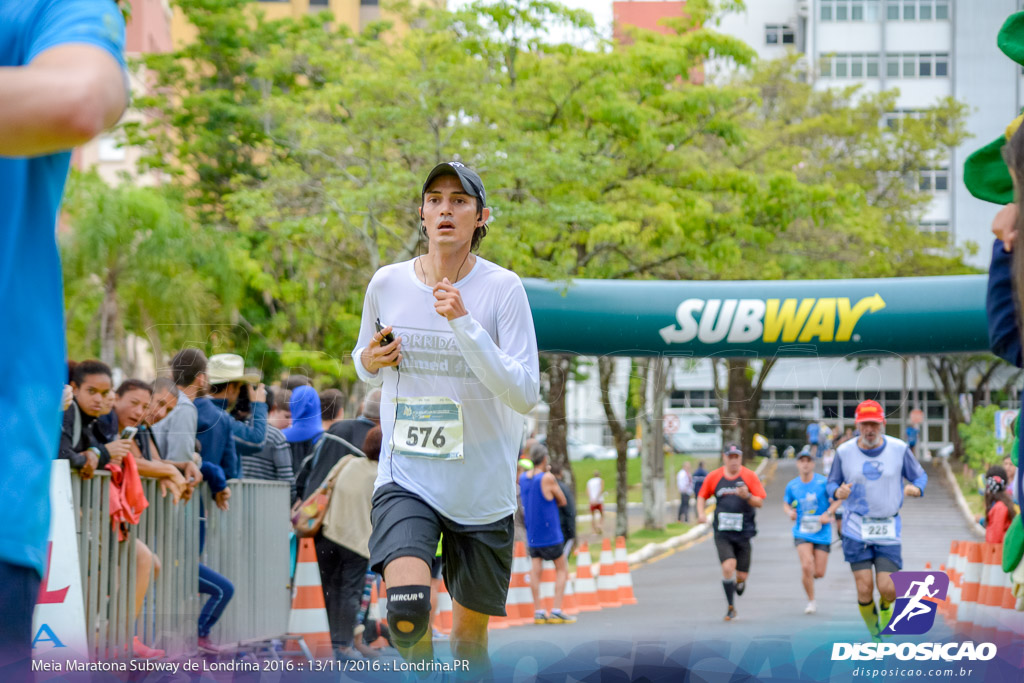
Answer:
(810, 609)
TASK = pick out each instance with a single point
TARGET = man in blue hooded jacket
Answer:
(307, 425)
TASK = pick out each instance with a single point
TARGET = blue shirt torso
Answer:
(30, 280)
(813, 430)
(540, 515)
(811, 499)
(213, 429)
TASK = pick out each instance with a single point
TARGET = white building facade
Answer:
(927, 50)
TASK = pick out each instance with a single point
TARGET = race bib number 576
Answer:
(428, 427)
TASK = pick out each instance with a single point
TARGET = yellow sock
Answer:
(870, 616)
(884, 615)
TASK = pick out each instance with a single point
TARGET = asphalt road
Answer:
(681, 601)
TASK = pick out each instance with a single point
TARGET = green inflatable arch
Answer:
(761, 318)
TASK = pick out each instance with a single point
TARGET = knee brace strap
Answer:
(408, 614)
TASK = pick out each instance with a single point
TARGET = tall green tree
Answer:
(134, 265)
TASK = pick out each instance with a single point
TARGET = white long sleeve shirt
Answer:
(485, 361)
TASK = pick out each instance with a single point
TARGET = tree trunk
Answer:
(653, 452)
(740, 401)
(950, 374)
(605, 366)
(108, 324)
(558, 374)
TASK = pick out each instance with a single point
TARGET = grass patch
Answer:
(584, 470)
(969, 487)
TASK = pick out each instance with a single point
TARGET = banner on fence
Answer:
(58, 623)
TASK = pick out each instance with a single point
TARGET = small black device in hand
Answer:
(387, 338)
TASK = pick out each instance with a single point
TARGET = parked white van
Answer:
(694, 431)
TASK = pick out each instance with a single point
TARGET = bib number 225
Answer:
(413, 438)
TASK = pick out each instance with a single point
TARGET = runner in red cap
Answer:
(737, 492)
(867, 479)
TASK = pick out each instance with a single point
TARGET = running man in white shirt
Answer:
(449, 338)
(595, 492)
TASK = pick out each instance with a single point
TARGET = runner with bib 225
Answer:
(867, 477)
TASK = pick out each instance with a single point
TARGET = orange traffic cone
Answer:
(519, 603)
(547, 585)
(569, 603)
(626, 596)
(607, 580)
(443, 620)
(586, 588)
(376, 615)
(308, 616)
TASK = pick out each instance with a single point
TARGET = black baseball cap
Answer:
(733, 449)
(469, 178)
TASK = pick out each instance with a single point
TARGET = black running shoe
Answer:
(740, 587)
(730, 614)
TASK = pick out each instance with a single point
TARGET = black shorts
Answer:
(477, 558)
(547, 552)
(734, 548)
(436, 566)
(817, 546)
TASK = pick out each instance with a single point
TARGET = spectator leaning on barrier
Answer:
(131, 403)
(165, 398)
(175, 435)
(82, 440)
(342, 547)
(63, 82)
(228, 379)
(274, 461)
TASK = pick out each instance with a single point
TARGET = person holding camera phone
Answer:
(83, 441)
(456, 359)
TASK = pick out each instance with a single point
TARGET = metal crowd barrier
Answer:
(248, 544)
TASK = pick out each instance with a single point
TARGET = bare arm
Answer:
(64, 97)
(551, 489)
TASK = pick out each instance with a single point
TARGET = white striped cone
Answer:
(519, 603)
(547, 585)
(967, 615)
(1006, 614)
(607, 580)
(586, 586)
(626, 596)
(308, 616)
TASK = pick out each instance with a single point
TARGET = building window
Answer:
(779, 34)
(917, 10)
(322, 3)
(911, 65)
(850, 65)
(933, 180)
(849, 10)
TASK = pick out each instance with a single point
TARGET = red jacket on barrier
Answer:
(127, 499)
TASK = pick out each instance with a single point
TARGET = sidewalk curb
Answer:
(961, 502)
(652, 550)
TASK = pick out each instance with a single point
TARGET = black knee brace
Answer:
(408, 614)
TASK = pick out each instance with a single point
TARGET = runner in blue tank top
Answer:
(541, 498)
